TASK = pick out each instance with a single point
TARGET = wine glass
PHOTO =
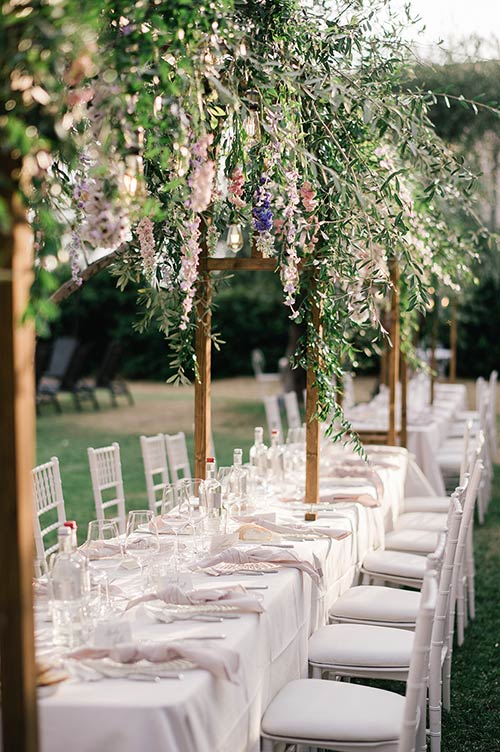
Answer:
(192, 503)
(141, 537)
(104, 551)
(174, 516)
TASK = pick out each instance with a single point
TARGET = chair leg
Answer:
(421, 741)
(447, 681)
(460, 613)
(435, 711)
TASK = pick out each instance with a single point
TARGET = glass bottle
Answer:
(258, 452)
(69, 591)
(238, 478)
(213, 498)
(275, 461)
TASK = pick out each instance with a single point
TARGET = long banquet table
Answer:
(199, 713)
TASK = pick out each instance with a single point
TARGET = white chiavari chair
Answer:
(273, 415)
(292, 410)
(354, 718)
(106, 474)
(154, 458)
(377, 652)
(178, 459)
(48, 503)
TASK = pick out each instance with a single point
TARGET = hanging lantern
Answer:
(234, 238)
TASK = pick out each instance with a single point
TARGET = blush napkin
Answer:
(274, 555)
(222, 662)
(237, 597)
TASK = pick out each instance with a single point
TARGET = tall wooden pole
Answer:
(404, 400)
(453, 342)
(434, 332)
(202, 408)
(312, 427)
(17, 457)
(393, 353)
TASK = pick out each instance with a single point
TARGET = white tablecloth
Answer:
(199, 713)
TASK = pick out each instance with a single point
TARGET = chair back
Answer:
(463, 537)
(178, 459)
(47, 497)
(154, 457)
(60, 359)
(443, 601)
(292, 410)
(416, 684)
(465, 453)
(273, 415)
(106, 473)
(258, 362)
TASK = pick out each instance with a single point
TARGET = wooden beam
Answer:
(434, 331)
(453, 342)
(211, 264)
(71, 286)
(202, 385)
(404, 401)
(17, 457)
(312, 425)
(394, 334)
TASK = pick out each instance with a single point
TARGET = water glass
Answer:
(141, 537)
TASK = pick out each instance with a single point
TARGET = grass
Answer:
(473, 725)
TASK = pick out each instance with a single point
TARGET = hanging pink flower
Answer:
(202, 176)
(290, 261)
(147, 247)
(189, 268)
(308, 196)
(235, 188)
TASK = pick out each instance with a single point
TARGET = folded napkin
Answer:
(222, 662)
(298, 528)
(237, 597)
(279, 556)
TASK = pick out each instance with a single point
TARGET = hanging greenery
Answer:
(171, 122)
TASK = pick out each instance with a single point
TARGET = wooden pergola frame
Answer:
(202, 409)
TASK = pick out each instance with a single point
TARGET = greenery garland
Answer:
(153, 127)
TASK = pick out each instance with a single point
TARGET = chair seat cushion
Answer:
(361, 645)
(415, 541)
(422, 521)
(371, 603)
(426, 504)
(396, 563)
(326, 710)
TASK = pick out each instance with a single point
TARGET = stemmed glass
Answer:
(141, 538)
(104, 550)
(174, 516)
(192, 502)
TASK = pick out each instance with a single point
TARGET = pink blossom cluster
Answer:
(147, 247)
(235, 188)
(202, 177)
(73, 249)
(189, 268)
(308, 196)
(105, 225)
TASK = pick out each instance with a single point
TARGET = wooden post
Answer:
(202, 408)
(435, 319)
(453, 342)
(394, 353)
(404, 401)
(312, 428)
(17, 457)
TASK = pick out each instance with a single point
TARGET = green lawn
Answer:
(474, 722)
